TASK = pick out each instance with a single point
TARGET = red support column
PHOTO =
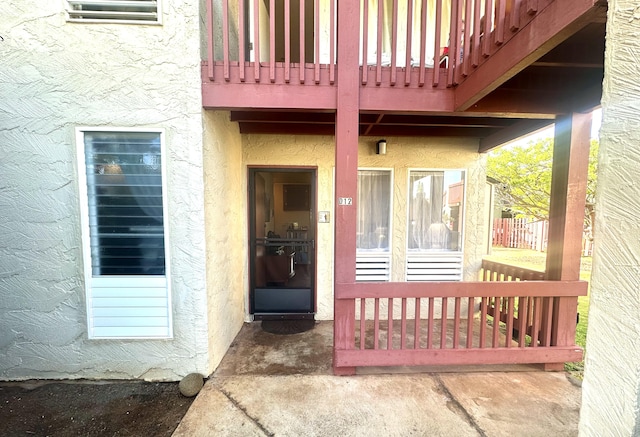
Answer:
(566, 218)
(346, 161)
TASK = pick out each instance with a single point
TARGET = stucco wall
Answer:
(226, 233)
(610, 391)
(403, 154)
(55, 76)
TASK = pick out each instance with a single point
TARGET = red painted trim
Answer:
(332, 42)
(488, 25)
(379, 43)
(394, 41)
(436, 48)
(317, 40)
(365, 41)
(441, 357)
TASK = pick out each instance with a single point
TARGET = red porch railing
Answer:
(505, 319)
(401, 43)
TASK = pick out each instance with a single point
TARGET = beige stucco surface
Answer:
(403, 154)
(611, 392)
(54, 77)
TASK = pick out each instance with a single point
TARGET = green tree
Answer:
(524, 175)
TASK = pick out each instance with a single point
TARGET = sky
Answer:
(548, 132)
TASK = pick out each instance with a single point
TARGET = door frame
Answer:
(252, 170)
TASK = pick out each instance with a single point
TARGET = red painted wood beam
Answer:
(440, 357)
(566, 216)
(346, 175)
(463, 289)
(552, 25)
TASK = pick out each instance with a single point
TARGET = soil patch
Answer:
(88, 408)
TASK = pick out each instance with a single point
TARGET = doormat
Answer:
(287, 327)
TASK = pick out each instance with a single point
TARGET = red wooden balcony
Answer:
(521, 63)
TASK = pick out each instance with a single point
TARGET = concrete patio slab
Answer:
(282, 386)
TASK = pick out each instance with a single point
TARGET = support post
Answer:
(566, 219)
(346, 161)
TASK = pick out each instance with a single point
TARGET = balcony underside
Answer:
(551, 65)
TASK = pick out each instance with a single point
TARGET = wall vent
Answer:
(130, 11)
(437, 266)
(373, 267)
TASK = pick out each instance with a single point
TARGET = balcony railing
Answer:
(508, 318)
(406, 43)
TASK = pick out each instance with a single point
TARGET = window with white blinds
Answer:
(124, 229)
(114, 10)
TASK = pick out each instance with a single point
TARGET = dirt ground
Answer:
(87, 408)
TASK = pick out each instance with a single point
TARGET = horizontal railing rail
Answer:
(402, 43)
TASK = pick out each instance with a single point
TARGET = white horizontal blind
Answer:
(114, 10)
(436, 266)
(373, 266)
(124, 232)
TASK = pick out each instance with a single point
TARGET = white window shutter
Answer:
(146, 11)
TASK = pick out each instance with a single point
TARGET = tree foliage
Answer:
(523, 173)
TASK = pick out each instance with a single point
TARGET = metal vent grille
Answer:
(114, 10)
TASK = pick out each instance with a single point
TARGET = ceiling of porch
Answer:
(563, 77)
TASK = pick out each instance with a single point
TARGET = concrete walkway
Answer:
(268, 385)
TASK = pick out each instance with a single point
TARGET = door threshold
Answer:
(284, 316)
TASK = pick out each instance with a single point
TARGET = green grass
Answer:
(531, 259)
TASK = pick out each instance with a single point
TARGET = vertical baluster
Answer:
(332, 42)
(225, 38)
(443, 324)
(379, 43)
(390, 324)
(365, 42)
(363, 312)
(535, 323)
(477, 30)
(470, 310)
(466, 38)
(241, 41)
(497, 315)
(532, 7)
(256, 40)
(376, 324)
(514, 21)
(483, 321)
(523, 304)
(316, 35)
(272, 41)
(547, 320)
(210, 42)
(453, 35)
(430, 323)
(403, 325)
(287, 40)
(456, 323)
(407, 71)
(423, 43)
(416, 328)
(394, 40)
(510, 310)
(302, 37)
(501, 8)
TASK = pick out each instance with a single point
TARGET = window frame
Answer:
(70, 11)
(119, 280)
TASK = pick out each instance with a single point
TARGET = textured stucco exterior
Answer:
(611, 388)
(56, 76)
(403, 154)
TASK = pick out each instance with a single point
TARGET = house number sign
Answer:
(345, 200)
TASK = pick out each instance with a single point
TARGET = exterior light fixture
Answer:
(381, 147)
